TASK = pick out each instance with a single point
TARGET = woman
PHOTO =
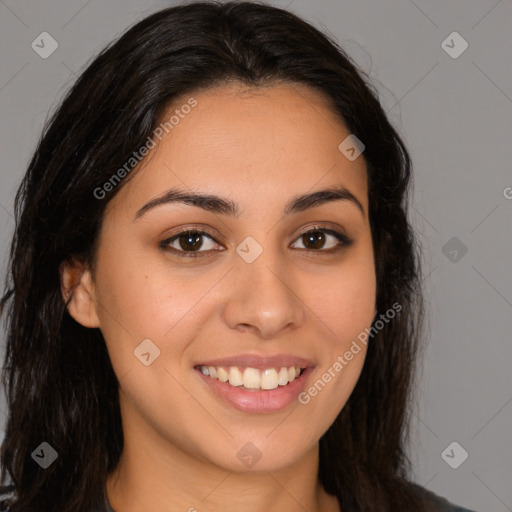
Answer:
(214, 300)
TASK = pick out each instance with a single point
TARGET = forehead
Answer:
(269, 142)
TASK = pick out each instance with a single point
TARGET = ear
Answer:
(78, 288)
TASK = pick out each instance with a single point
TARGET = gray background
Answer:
(456, 117)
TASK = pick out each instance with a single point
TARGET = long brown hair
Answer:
(59, 381)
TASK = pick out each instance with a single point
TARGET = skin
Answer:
(259, 148)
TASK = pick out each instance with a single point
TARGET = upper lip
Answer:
(258, 362)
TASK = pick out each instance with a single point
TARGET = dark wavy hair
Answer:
(59, 381)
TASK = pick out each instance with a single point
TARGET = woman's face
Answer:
(259, 296)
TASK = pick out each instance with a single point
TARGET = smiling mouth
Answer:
(252, 378)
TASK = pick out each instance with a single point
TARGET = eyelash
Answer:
(343, 240)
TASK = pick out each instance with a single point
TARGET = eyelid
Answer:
(192, 229)
(343, 240)
(164, 244)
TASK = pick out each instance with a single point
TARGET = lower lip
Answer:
(258, 401)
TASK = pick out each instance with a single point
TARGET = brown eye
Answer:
(314, 240)
(188, 243)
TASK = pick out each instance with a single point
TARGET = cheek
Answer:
(132, 302)
(151, 301)
(346, 300)
(139, 293)
(346, 306)
(348, 303)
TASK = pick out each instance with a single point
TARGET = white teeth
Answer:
(283, 377)
(235, 376)
(222, 375)
(269, 379)
(252, 378)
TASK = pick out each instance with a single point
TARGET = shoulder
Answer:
(437, 503)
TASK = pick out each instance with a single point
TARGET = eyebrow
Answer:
(221, 205)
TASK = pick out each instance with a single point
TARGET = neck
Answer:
(159, 475)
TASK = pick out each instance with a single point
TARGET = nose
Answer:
(264, 298)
